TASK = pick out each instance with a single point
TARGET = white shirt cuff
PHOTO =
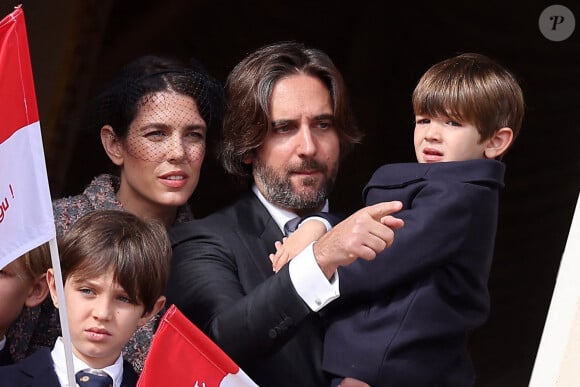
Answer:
(310, 282)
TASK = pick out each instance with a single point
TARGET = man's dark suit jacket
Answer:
(37, 370)
(5, 356)
(222, 280)
(404, 317)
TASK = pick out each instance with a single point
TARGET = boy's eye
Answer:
(126, 299)
(422, 121)
(87, 291)
(453, 123)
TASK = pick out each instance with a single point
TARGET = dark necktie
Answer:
(93, 378)
(291, 225)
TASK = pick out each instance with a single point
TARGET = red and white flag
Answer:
(26, 219)
(181, 355)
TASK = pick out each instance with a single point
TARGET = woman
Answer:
(153, 120)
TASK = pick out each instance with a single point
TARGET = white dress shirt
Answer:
(308, 279)
(115, 371)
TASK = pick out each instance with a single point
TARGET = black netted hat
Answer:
(118, 104)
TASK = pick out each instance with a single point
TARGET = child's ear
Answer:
(112, 145)
(37, 292)
(499, 143)
(52, 286)
(159, 304)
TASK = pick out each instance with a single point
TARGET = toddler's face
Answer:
(440, 139)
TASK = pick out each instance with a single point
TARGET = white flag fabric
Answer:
(26, 219)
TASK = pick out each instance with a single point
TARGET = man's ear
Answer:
(159, 304)
(248, 158)
(112, 145)
(498, 143)
(52, 286)
(37, 292)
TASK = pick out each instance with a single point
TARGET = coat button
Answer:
(272, 333)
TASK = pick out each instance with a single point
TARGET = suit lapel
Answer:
(257, 233)
(39, 368)
(130, 377)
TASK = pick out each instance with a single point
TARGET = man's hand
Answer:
(364, 234)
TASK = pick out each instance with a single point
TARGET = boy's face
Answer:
(101, 317)
(14, 290)
(439, 139)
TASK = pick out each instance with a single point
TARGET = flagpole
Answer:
(26, 220)
(62, 311)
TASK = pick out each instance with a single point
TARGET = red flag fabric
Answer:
(181, 355)
(26, 219)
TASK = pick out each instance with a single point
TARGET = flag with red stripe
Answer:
(26, 219)
(181, 355)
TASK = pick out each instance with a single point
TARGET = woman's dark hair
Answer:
(119, 103)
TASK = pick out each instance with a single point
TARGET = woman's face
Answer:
(162, 154)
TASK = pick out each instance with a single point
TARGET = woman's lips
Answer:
(174, 179)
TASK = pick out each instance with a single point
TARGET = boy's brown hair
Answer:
(474, 89)
(138, 251)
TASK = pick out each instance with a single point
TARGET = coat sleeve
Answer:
(249, 313)
(438, 218)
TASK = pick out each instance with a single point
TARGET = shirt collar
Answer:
(3, 343)
(115, 370)
(280, 215)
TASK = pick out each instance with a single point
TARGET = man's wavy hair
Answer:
(249, 86)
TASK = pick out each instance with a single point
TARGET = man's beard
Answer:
(279, 190)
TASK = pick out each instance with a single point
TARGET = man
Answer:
(287, 126)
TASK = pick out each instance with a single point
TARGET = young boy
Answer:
(115, 268)
(22, 284)
(403, 318)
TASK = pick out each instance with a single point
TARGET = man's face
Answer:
(296, 166)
